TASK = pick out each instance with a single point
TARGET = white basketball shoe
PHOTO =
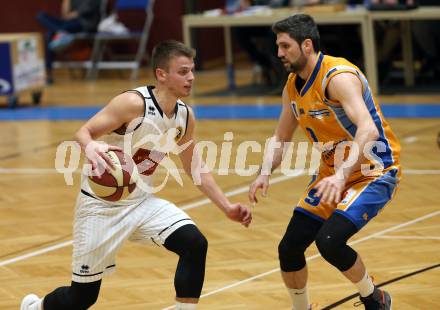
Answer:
(31, 302)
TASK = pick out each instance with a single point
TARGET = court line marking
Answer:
(196, 204)
(404, 276)
(162, 170)
(193, 205)
(371, 236)
(410, 237)
(228, 194)
(421, 171)
(35, 253)
(410, 139)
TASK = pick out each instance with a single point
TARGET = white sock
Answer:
(185, 306)
(300, 298)
(365, 286)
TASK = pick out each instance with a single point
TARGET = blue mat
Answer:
(209, 112)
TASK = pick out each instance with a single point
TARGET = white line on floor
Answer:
(410, 139)
(35, 253)
(410, 237)
(196, 204)
(261, 275)
(240, 190)
(232, 172)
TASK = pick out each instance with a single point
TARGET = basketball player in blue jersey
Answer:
(101, 226)
(329, 98)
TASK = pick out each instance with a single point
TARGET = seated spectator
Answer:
(259, 44)
(388, 36)
(76, 16)
(427, 37)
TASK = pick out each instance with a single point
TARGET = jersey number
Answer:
(311, 199)
(147, 161)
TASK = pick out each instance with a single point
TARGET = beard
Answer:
(298, 65)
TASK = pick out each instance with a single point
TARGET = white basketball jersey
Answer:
(147, 141)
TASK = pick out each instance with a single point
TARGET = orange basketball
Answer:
(119, 182)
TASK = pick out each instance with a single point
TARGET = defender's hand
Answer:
(262, 181)
(330, 189)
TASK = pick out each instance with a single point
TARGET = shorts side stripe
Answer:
(187, 219)
(355, 197)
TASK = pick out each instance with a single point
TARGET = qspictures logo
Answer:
(151, 152)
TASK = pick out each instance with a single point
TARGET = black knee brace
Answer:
(78, 296)
(299, 234)
(191, 246)
(332, 242)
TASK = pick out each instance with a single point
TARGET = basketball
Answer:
(119, 182)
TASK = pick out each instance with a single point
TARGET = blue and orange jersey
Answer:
(324, 122)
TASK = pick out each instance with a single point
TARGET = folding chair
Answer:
(102, 39)
(66, 62)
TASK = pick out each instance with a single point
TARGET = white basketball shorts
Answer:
(101, 229)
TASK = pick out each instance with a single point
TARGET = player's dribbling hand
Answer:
(239, 213)
(96, 153)
(262, 181)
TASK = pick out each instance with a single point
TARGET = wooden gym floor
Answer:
(401, 247)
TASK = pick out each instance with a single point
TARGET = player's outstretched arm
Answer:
(273, 154)
(117, 114)
(196, 169)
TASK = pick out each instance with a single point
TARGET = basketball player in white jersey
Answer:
(101, 227)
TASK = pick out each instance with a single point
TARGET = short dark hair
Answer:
(165, 50)
(299, 27)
